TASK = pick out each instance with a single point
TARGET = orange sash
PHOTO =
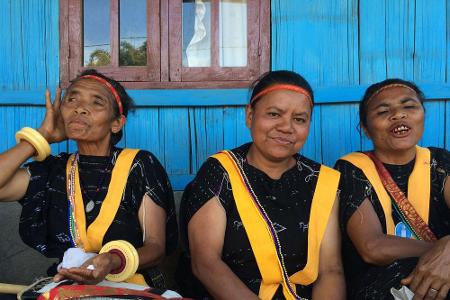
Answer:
(262, 241)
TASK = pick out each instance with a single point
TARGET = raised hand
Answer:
(52, 128)
(92, 271)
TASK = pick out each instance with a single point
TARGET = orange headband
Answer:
(388, 87)
(289, 87)
(110, 87)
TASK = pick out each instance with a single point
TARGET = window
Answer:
(166, 43)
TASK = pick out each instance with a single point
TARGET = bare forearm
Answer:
(150, 255)
(388, 248)
(221, 282)
(11, 160)
(329, 286)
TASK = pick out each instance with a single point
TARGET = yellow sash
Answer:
(92, 238)
(418, 184)
(259, 235)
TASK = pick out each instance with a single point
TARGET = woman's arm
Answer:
(13, 179)
(206, 231)
(330, 283)
(374, 246)
(152, 218)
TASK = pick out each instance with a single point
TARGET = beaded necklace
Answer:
(73, 229)
(270, 226)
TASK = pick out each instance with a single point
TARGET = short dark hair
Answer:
(127, 101)
(374, 88)
(279, 77)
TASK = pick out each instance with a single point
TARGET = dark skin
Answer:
(86, 115)
(387, 111)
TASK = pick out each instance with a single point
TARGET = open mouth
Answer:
(400, 130)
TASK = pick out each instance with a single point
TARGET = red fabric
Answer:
(122, 261)
(418, 225)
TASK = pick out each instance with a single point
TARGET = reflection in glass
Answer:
(133, 33)
(196, 33)
(96, 36)
(233, 33)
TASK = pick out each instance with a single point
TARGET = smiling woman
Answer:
(395, 200)
(261, 220)
(74, 204)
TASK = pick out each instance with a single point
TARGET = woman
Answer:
(258, 217)
(395, 200)
(97, 195)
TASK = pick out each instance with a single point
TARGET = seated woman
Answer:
(395, 200)
(261, 219)
(96, 195)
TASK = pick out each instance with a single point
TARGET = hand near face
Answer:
(103, 265)
(52, 128)
(431, 277)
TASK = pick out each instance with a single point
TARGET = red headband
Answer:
(276, 87)
(110, 87)
(388, 87)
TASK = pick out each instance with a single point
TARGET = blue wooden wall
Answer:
(340, 46)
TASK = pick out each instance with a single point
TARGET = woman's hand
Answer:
(430, 279)
(52, 128)
(102, 264)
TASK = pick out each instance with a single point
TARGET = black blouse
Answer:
(286, 200)
(355, 187)
(44, 219)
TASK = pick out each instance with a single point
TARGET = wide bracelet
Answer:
(129, 258)
(36, 139)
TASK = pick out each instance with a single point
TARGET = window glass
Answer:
(96, 43)
(196, 33)
(133, 33)
(233, 33)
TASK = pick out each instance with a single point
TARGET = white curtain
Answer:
(232, 35)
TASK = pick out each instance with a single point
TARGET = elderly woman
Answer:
(99, 194)
(395, 214)
(261, 219)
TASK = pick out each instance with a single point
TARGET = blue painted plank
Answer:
(430, 47)
(174, 130)
(235, 132)
(207, 133)
(6, 64)
(400, 39)
(313, 146)
(372, 37)
(51, 42)
(447, 125)
(434, 134)
(163, 98)
(325, 44)
(339, 133)
(142, 130)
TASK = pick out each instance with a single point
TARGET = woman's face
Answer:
(279, 124)
(395, 120)
(87, 112)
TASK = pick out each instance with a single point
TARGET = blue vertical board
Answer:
(207, 133)
(339, 133)
(235, 132)
(318, 39)
(430, 47)
(313, 146)
(6, 32)
(372, 41)
(447, 125)
(30, 57)
(434, 133)
(174, 132)
(142, 130)
(399, 38)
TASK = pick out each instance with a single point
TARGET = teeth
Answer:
(400, 129)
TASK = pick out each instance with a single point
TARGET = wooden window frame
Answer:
(164, 57)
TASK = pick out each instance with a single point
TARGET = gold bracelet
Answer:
(36, 139)
(129, 257)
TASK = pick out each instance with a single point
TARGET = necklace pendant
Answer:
(90, 206)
